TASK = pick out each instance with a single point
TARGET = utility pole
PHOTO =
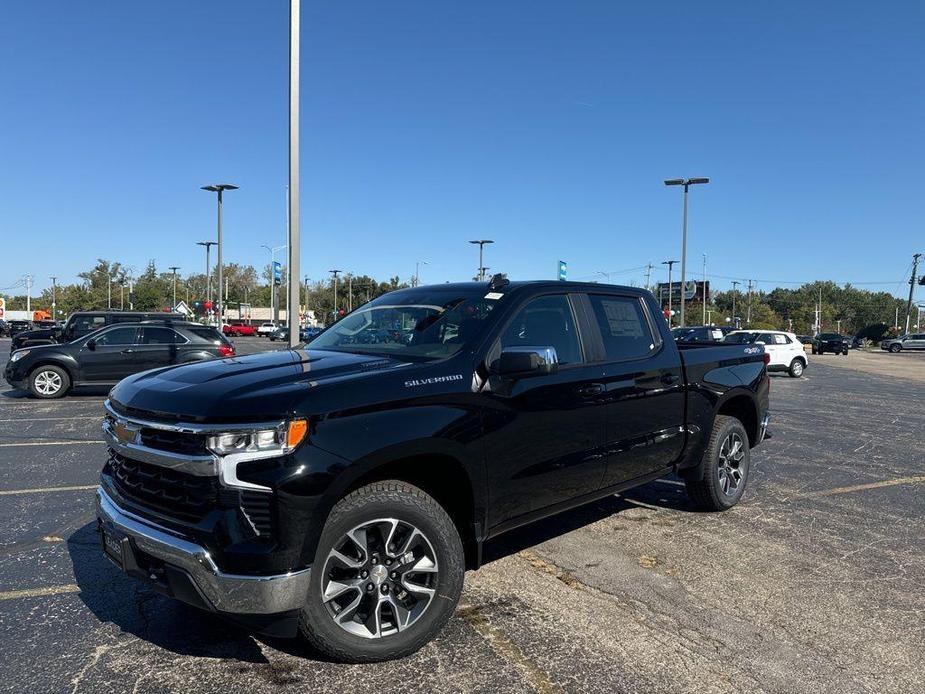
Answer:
(350, 292)
(748, 319)
(481, 243)
(915, 268)
(819, 312)
(670, 264)
(334, 274)
(417, 271)
(687, 183)
(108, 288)
(648, 276)
(29, 295)
(54, 297)
(735, 290)
(173, 269)
(703, 296)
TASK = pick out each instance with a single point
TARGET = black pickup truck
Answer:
(341, 491)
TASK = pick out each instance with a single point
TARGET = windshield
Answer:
(421, 325)
(740, 338)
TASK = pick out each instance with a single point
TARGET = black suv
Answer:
(83, 323)
(106, 356)
(831, 342)
(18, 327)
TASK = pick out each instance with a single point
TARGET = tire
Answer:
(895, 349)
(48, 382)
(796, 368)
(374, 514)
(814, 351)
(720, 489)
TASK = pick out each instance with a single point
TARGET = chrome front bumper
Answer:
(230, 593)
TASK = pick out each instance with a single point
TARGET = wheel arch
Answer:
(743, 407)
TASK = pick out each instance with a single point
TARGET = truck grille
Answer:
(173, 441)
(177, 494)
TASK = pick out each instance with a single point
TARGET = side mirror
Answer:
(91, 345)
(522, 362)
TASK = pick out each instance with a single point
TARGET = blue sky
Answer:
(546, 126)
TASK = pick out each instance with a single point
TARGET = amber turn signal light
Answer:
(296, 432)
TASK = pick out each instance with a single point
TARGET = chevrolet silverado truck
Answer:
(340, 491)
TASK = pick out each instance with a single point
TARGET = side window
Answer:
(117, 336)
(160, 336)
(765, 339)
(546, 321)
(780, 339)
(624, 328)
(126, 318)
(87, 324)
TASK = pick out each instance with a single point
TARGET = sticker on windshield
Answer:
(494, 295)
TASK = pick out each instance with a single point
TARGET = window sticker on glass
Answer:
(494, 295)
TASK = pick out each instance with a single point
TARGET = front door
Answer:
(112, 357)
(543, 433)
(643, 389)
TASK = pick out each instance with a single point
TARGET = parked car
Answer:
(16, 327)
(279, 333)
(785, 349)
(238, 329)
(83, 323)
(913, 341)
(309, 333)
(342, 490)
(266, 328)
(4, 328)
(806, 341)
(700, 333)
(108, 355)
(831, 342)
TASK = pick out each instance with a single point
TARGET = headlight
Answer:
(281, 440)
(19, 354)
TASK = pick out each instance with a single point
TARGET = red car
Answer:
(238, 329)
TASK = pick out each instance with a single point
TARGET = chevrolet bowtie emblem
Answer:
(123, 432)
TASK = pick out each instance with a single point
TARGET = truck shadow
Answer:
(666, 493)
(139, 610)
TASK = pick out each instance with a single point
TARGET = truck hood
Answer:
(256, 387)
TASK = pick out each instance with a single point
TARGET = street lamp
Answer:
(670, 264)
(54, 296)
(208, 245)
(687, 183)
(481, 243)
(417, 271)
(220, 188)
(173, 269)
(334, 274)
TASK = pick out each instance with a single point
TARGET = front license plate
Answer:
(112, 547)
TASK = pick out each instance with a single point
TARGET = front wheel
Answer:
(387, 576)
(796, 368)
(726, 464)
(49, 382)
(895, 348)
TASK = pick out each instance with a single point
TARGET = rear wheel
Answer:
(387, 576)
(49, 382)
(726, 464)
(796, 368)
(895, 348)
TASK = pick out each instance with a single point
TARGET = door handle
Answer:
(591, 390)
(669, 379)
(128, 351)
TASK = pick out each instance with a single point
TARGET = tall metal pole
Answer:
(174, 268)
(703, 293)
(684, 254)
(670, 264)
(334, 274)
(294, 247)
(54, 297)
(220, 306)
(915, 267)
(748, 319)
(735, 290)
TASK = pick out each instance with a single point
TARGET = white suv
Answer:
(785, 350)
(266, 328)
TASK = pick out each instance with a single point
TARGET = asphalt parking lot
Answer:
(812, 584)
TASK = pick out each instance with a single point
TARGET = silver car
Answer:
(914, 341)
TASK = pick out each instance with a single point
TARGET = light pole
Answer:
(220, 188)
(481, 243)
(670, 264)
(417, 271)
(208, 245)
(334, 274)
(295, 19)
(54, 297)
(173, 269)
(686, 182)
(703, 294)
(735, 287)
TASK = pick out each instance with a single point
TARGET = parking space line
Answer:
(48, 443)
(862, 487)
(53, 419)
(40, 592)
(43, 490)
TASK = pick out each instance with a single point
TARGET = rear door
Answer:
(917, 342)
(158, 346)
(643, 387)
(543, 433)
(112, 357)
(774, 349)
